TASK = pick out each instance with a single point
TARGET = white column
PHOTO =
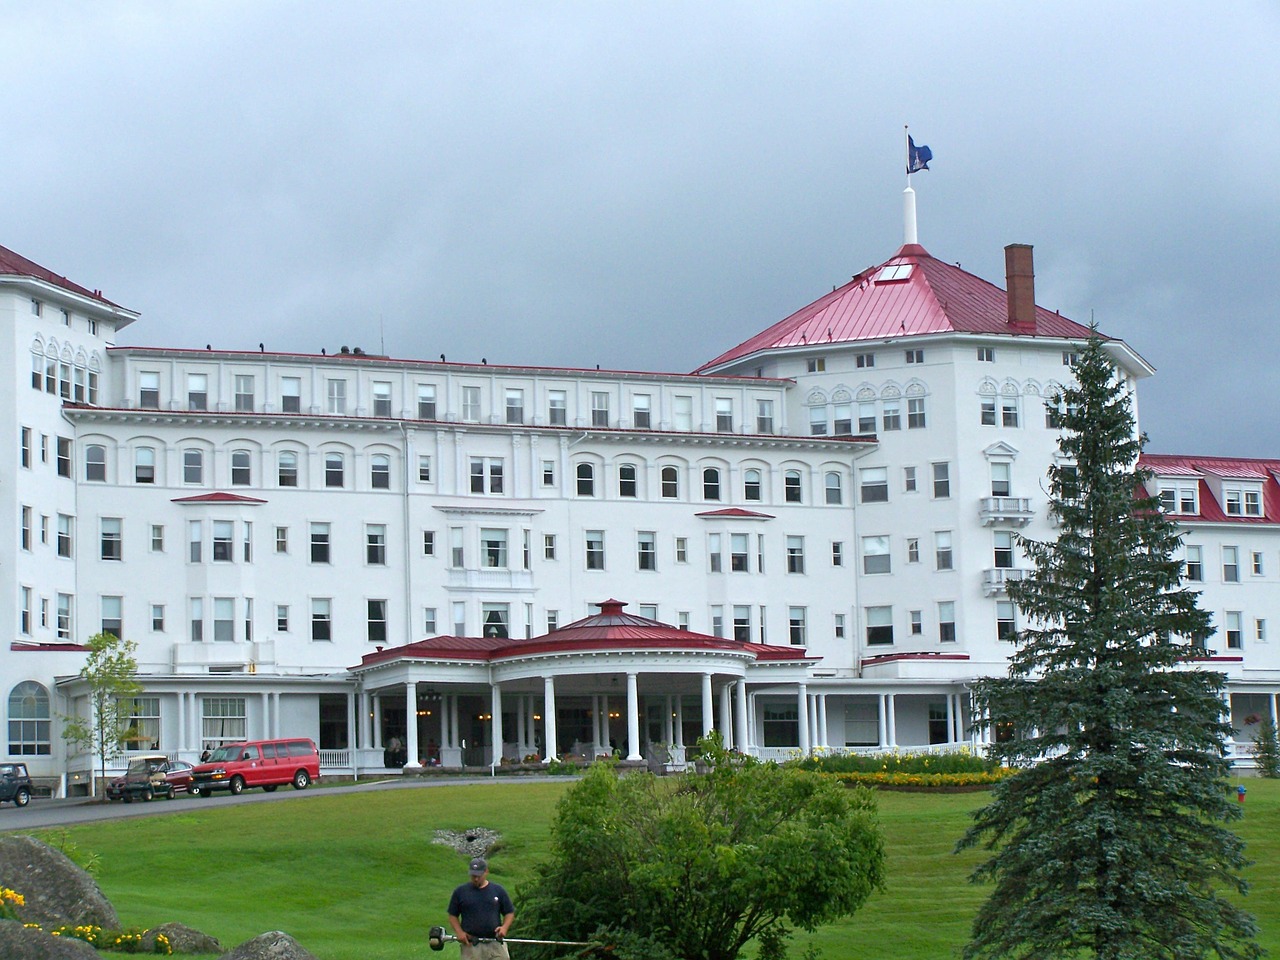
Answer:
(815, 728)
(678, 735)
(531, 723)
(522, 744)
(802, 698)
(668, 724)
(633, 717)
(265, 699)
(365, 739)
(411, 723)
(549, 718)
(706, 704)
(496, 711)
(604, 724)
(377, 720)
(822, 720)
(726, 718)
(884, 722)
(182, 721)
(951, 719)
(353, 730)
(743, 731)
(893, 720)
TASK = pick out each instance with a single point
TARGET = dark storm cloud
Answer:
(642, 186)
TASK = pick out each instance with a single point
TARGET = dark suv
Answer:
(15, 784)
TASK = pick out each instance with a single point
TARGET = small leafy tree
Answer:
(700, 865)
(1110, 842)
(1266, 749)
(110, 671)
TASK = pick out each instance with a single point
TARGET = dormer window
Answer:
(1241, 501)
(1180, 497)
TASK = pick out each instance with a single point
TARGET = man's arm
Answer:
(458, 931)
(507, 920)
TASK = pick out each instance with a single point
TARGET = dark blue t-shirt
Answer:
(480, 909)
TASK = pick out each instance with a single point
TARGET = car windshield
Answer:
(7, 769)
(222, 754)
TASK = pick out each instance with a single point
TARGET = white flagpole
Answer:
(909, 235)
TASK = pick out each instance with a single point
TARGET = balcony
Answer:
(995, 580)
(497, 578)
(1015, 510)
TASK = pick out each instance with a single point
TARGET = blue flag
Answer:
(917, 157)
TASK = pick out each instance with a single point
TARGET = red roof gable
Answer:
(1265, 472)
(933, 297)
(608, 629)
(217, 498)
(16, 265)
(736, 512)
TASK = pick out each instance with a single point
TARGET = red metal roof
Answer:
(1266, 472)
(15, 265)
(737, 512)
(935, 297)
(218, 497)
(610, 629)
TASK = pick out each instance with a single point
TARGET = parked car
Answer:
(115, 788)
(15, 784)
(257, 763)
(154, 775)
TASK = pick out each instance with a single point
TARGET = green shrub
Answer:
(953, 761)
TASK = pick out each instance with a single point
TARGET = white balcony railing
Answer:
(1015, 510)
(996, 579)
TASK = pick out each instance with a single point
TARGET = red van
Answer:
(257, 763)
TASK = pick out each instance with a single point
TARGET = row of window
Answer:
(27, 450)
(72, 382)
(1237, 500)
(515, 409)
(1231, 563)
(916, 355)
(39, 309)
(838, 418)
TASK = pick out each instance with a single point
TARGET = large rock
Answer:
(183, 939)
(275, 945)
(23, 943)
(56, 890)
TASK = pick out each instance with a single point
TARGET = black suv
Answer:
(15, 784)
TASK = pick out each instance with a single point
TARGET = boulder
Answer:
(183, 939)
(57, 891)
(24, 943)
(275, 945)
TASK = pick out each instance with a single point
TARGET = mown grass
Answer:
(355, 876)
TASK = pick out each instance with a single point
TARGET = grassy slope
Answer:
(356, 877)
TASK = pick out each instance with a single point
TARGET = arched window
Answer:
(287, 469)
(711, 483)
(334, 470)
(627, 480)
(751, 489)
(144, 465)
(380, 471)
(792, 488)
(834, 487)
(586, 480)
(95, 463)
(29, 720)
(671, 482)
(241, 475)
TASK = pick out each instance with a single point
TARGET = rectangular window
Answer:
(380, 471)
(319, 543)
(717, 621)
(1195, 564)
(224, 619)
(913, 549)
(112, 538)
(875, 555)
(1003, 555)
(908, 479)
(874, 484)
(641, 411)
(916, 617)
(248, 620)
(197, 391)
(943, 557)
(1006, 621)
(426, 401)
(682, 549)
(682, 413)
(553, 621)
(818, 421)
(144, 465)
(457, 553)
(1260, 629)
(987, 354)
(865, 360)
(866, 418)
(891, 416)
(28, 516)
(377, 621)
(223, 535)
(548, 473)
(764, 416)
(988, 411)
(337, 394)
(815, 364)
(548, 546)
(557, 408)
(646, 550)
(195, 541)
(471, 404)
(947, 622)
(381, 398)
(739, 560)
(714, 552)
(1070, 358)
(321, 619)
(282, 539)
(742, 622)
(1235, 630)
(157, 617)
(429, 621)
(795, 554)
(1230, 564)
(25, 447)
(375, 544)
(724, 415)
(223, 721)
(149, 390)
(424, 468)
(515, 405)
(64, 616)
(66, 525)
(595, 549)
(1009, 411)
(291, 394)
(915, 413)
(1258, 570)
(244, 393)
(113, 616)
(879, 625)
(941, 480)
(64, 456)
(798, 625)
(837, 553)
(196, 619)
(915, 356)
(282, 618)
(246, 542)
(1001, 482)
(493, 548)
(428, 543)
(486, 474)
(599, 409)
(193, 466)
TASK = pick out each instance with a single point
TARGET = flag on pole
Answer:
(917, 157)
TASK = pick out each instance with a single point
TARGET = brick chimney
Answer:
(1020, 283)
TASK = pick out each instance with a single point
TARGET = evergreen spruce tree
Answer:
(1111, 840)
(1266, 749)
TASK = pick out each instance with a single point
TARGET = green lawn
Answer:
(356, 876)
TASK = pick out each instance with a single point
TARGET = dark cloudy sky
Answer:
(642, 185)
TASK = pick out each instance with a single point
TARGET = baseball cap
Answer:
(478, 866)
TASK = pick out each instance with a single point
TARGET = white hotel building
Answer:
(811, 534)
